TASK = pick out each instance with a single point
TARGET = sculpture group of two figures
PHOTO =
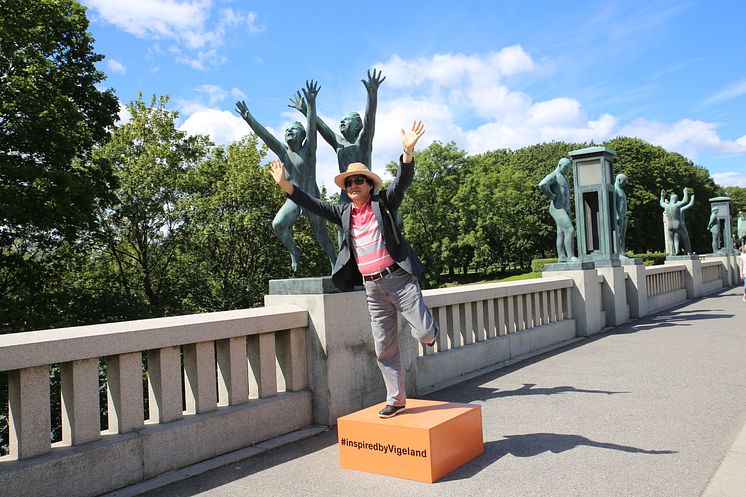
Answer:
(557, 188)
(354, 143)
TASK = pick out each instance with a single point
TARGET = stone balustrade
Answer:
(485, 325)
(713, 275)
(665, 286)
(215, 382)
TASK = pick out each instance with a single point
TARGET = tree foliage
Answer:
(51, 116)
(231, 251)
(431, 223)
(143, 231)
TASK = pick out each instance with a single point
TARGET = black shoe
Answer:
(435, 339)
(391, 411)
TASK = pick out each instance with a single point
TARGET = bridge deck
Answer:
(647, 409)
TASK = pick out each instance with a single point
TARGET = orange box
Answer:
(424, 443)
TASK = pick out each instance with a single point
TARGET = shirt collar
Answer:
(356, 210)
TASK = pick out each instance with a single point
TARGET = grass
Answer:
(476, 279)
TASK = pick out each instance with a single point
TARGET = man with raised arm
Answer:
(374, 252)
(300, 157)
(355, 141)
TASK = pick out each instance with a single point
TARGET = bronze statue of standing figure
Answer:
(556, 187)
(299, 157)
(677, 232)
(620, 206)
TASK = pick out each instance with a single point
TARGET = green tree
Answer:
(513, 223)
(431, 223)
(737, 196)
(143, 230)
(51, 116)
(231, 251)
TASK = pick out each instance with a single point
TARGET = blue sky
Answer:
(485, 74)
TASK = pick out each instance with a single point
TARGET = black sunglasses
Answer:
(358, 181)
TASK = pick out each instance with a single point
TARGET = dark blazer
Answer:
(345, 274)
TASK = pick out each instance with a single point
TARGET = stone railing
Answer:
(484, 325)
(712, 276)
(665, 286)
(215, 383)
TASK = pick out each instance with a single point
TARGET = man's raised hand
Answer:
(409, 138)
(277, 170)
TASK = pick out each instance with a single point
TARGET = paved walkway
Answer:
(648, 409)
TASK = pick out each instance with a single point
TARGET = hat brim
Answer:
(340, 178)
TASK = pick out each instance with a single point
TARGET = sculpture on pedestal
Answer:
(666, 225)
(355, 141)
(620, 205)
(677, 232)
(299, 157)
(714, 226)
(555, 186)
(741, 227)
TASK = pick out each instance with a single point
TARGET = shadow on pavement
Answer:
(484, 394)
(533, 444)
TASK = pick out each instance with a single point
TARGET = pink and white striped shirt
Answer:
(367, 241)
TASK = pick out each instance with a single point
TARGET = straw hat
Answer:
(358, 169)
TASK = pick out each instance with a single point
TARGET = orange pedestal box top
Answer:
(424, 443)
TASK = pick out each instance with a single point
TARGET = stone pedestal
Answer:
(636, 285)
(586, 298)
(424, 443)
(614, 295)
(693, 275)
(343, 374)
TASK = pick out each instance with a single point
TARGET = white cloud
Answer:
(116, 66)
(222, 126)
(191, 25)
(469, 99)
(466, 98)
(730, 179)
(124, 115)
(688, 137)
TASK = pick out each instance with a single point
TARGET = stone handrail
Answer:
(711, 271)
(665, 285)
(490, 323)
(215, 360)
(491, 310)
(664, 279)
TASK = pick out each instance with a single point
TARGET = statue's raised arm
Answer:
(298, 103)
(273, 143)
(691, 202)
(310, 92)
(365, 139)
(685, 198)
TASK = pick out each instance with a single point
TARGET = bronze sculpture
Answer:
(299, 157)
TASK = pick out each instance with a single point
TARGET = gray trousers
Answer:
(396, 292)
